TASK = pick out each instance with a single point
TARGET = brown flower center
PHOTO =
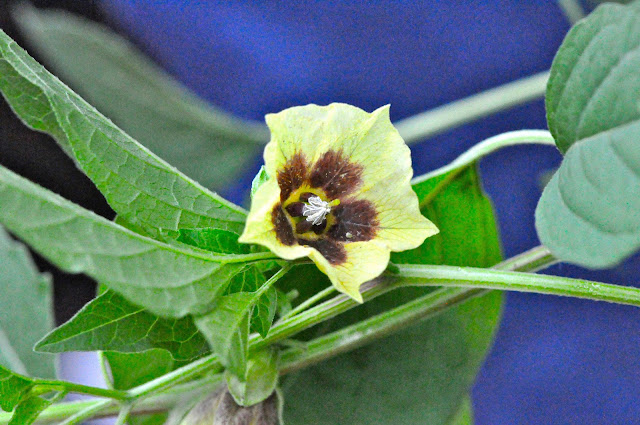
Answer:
(317, 207)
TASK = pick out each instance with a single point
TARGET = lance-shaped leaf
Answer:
(12, 388)
(111, 323)
(167, 280)
(26, 312)
(589, 213)
(205, 143)
(259, 381)
(142, 188)
(28, 410)
(227, 326)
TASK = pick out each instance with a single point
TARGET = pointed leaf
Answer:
(12, 388)
(264, 312)
(589, 213)
(26, 312)
(205, 143)
(138, 185)
(259, 381)
(28, 411)
(111, 323)
(165, 279)
(227, 330)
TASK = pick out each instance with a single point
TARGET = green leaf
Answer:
(250, 280)
(259, 381)
(215, 240)
(28, 411)
(12, 388)
(128, 370)
(111, 323)
(426, 370)
(227, 326)
(139, 186)
(464, 415)
(207, 144)
(589, 213)
(227, 330)
(165, 279)
(264, 312)
(26, 311)
(257, 181)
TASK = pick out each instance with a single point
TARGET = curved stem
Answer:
(311, 301)
(487, 146)
(434, 121)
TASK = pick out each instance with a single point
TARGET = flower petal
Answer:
(364, 261)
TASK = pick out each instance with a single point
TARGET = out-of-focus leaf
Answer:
(206, 143)
(139, 186)
(589, 213)
(464, 416)
(26, 312)
(111, 323)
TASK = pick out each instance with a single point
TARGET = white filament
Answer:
(316, 210)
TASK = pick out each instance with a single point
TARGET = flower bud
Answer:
(220, 408)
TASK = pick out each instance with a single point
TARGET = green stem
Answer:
(434, 121)
(54, 385)
(311, 301)
(123, 415)
(469, 282)
(572, 10)
(468, 277)
(88, 412)
(487, 146)
(374, 328)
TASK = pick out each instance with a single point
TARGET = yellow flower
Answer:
(338, 191)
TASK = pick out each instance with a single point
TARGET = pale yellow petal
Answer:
(365, 261)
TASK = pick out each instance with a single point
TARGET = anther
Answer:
(316, 210)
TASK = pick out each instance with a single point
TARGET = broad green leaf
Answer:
(464, 415)
(426, 370)
(227, 330)
(26, 312)
(28, 411)
(128, 370)
(165, 279)
(12, 388)
(111, 323)
(259, 381)
(139, 186)
(205, 143)
(589, 213)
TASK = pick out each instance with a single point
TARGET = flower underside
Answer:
(331, 181)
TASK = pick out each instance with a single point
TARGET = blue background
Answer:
(555, 360)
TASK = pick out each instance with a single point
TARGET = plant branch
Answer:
(55, 385)
(434, 121)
